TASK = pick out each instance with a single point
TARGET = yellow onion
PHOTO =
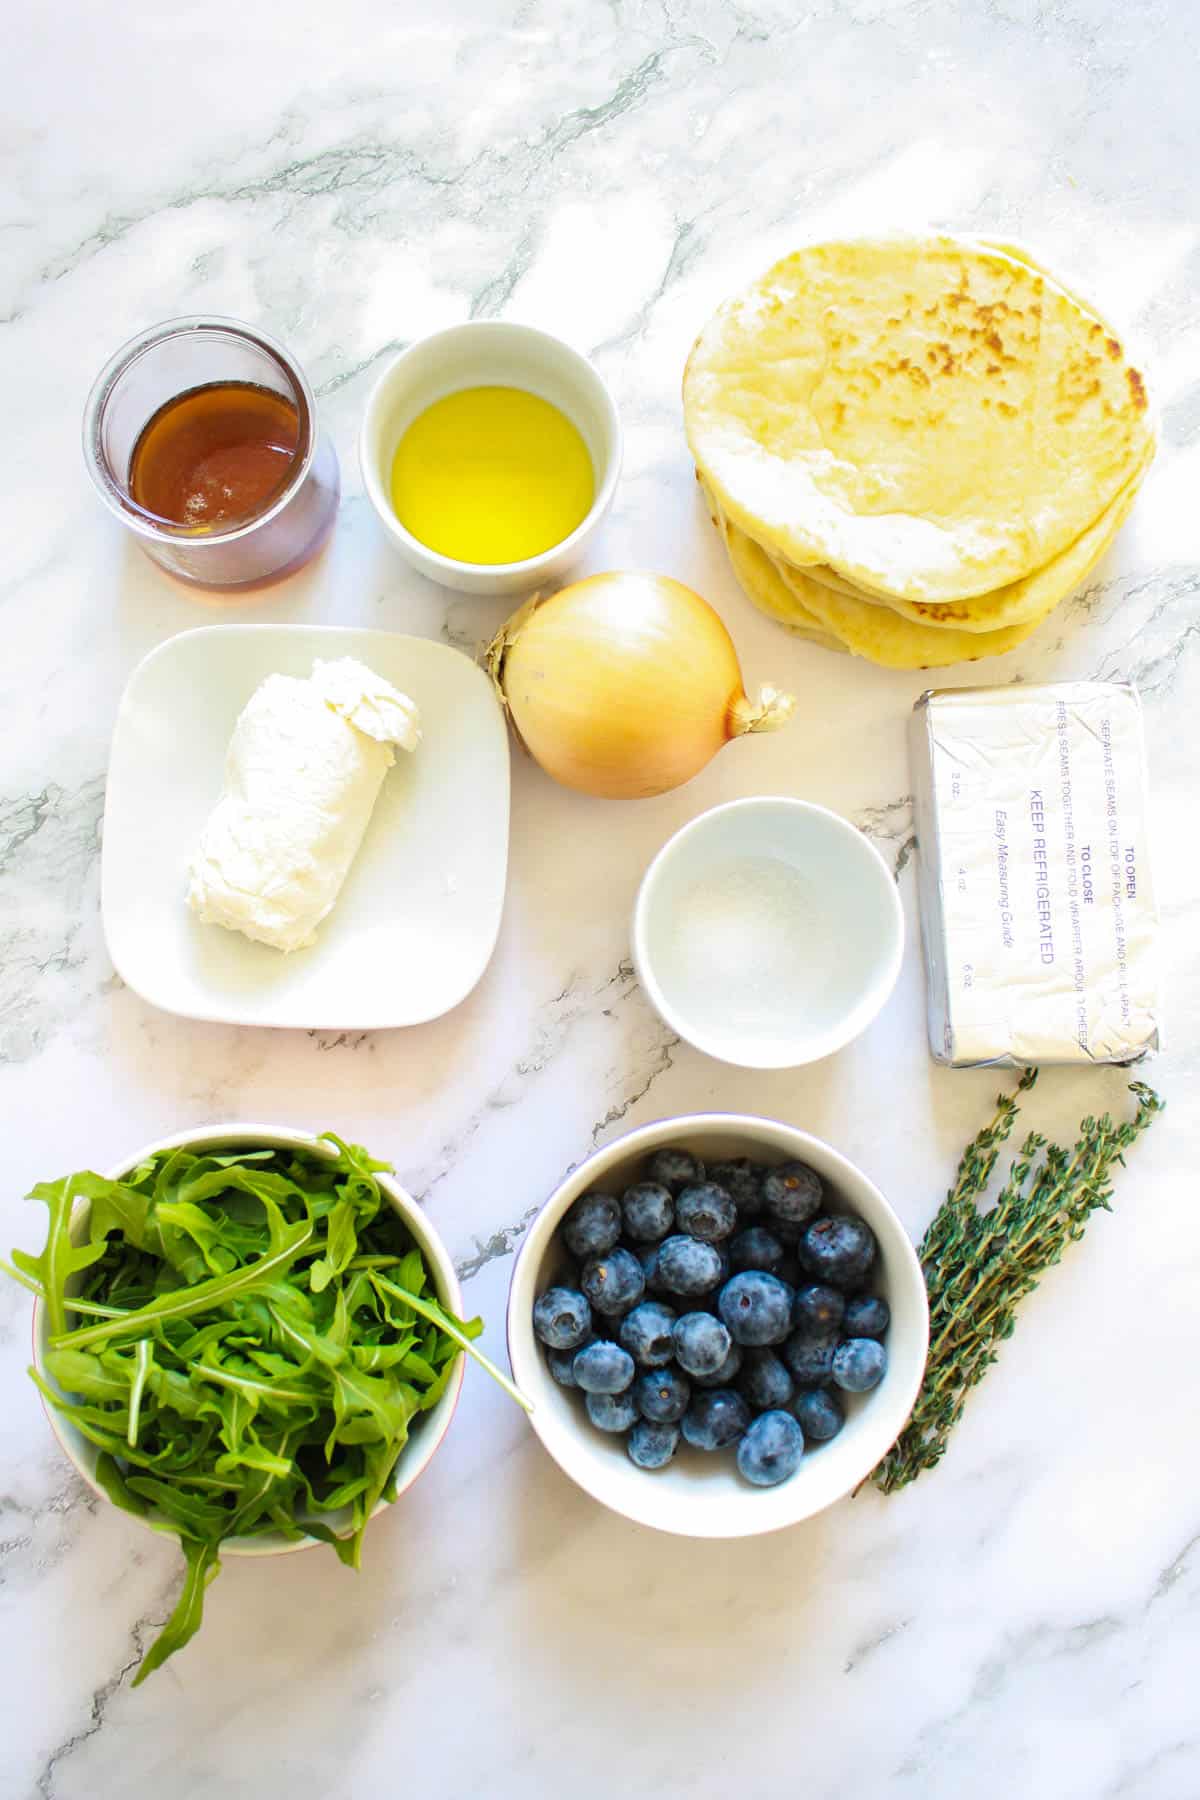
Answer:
(625, 685)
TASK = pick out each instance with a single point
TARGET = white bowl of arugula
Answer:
(248, 1337)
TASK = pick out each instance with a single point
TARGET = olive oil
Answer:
(215, 456)
(492, 475)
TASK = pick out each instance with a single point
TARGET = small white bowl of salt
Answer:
(768, 932)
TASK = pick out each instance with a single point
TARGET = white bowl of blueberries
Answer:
(722, 1324)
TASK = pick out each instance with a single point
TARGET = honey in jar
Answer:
(215, 456)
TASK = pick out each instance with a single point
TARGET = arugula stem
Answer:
(143, 1353)
(25, 1281)
(430, 1310)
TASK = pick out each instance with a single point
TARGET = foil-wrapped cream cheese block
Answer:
(1037, 908)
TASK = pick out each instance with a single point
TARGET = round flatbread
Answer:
(890, 641)
(882, 636)
(885, 636)
(1028, 600)
(933, 418)
(762, 585)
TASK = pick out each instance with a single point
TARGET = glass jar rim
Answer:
(118, 498)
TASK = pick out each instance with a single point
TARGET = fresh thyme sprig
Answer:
(979, 1265)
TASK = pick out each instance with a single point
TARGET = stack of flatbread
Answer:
(914, 448)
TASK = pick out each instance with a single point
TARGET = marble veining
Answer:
(1024, 1619)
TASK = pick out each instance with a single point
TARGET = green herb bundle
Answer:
(979, 1265)
(247, 1339)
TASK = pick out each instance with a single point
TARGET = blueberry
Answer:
(611, 1412)
(705, 1212)
(651, 1446)
(818, 1414)
(686, 1266)
(866, 1316)
(603, 1368)
(701, 1343)
(675, 1169)
(716, 1418)
(562, 1318)
(818, 1309)
(756, 1248)
(728, 1372)
(765, 1381)
(648, 1211)
(859, 1364)
(662, 1396)
(742, 1181)
(757, 1307)
(809, 1358)
(646, 1334)
(793, 1192)
(613, 1283)
(562, 1367)
(839, 1250)
(592, 1225)
(771, 1449)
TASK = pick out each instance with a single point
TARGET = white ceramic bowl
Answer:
(427, 1433)
(768, 932)
(698, 1495)
(488, 353)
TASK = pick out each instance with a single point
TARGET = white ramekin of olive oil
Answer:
(490, 452)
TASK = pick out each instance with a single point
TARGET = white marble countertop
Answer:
(1023, 1620)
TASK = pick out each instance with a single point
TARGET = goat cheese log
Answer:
(303, 771)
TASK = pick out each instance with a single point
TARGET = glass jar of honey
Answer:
(201, 436)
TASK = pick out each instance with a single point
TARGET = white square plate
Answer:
(418, 917)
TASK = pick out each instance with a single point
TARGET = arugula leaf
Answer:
(119, 1206)
(60, 1259)
(389, 1405)
(203, 1564)
(78, 1372)
(112, 1481)
(201, 1297)
(340, 1245)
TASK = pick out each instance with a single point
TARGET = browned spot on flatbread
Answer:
(1137, 390)
(942, 354)
(1077, 383)
(941, 610)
